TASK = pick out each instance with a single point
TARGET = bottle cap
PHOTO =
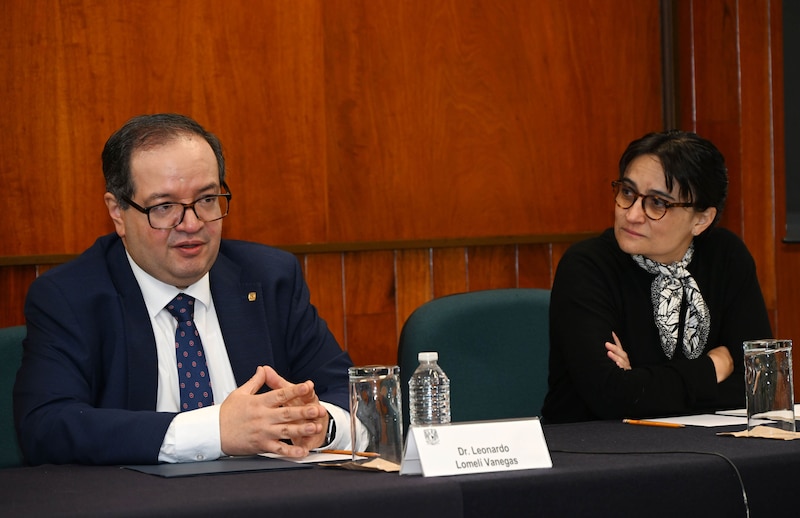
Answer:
(428, 356)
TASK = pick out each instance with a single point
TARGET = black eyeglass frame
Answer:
(186, 206)
(617, 185)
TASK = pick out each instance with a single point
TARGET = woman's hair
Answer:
(694, 163)
(143, 132)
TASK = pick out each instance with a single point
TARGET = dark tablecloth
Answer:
(599, 469)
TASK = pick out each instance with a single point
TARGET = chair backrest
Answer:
(10, 360)
(492, 344)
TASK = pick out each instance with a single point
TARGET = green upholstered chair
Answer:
(10, 359)
(492, 344)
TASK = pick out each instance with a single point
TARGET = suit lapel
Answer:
(138, 336)
(242, 319)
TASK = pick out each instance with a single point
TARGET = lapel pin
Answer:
(251, 296)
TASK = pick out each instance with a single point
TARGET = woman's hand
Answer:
(723, 362)
(617, 354)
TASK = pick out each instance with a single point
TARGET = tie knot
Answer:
(182, 307)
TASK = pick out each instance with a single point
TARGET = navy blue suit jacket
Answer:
(86, 391)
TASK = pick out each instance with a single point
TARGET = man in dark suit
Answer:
(100, 381)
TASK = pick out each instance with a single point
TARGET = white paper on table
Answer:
(743, 412)
(737, 412)
(707, 420)
(312, 457)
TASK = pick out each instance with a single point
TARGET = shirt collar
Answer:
(158, 294)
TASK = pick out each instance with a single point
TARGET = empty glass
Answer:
(768, 382)
(375, 400)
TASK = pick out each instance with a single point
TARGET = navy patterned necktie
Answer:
(193, 378)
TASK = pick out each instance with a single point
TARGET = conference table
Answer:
(604, 468)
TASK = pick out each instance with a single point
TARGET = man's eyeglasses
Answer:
(164, 216)
(655, 207)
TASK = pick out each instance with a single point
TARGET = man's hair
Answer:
(143, 132)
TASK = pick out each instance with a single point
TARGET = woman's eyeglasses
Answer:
(655, 207)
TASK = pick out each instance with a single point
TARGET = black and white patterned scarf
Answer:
(667, 291)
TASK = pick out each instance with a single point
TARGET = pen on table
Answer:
(662, 424)
(348, 452)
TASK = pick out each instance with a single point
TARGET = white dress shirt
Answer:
(195, 435)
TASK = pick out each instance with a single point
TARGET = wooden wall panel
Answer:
(760, 228)
(788, 255)
(343, 120)
(788, 291)
(325, 282)
(449, 271)
(535, 266)
(473, 119)
(492, 267)
(14, 282)
(414, 281)
(715, 106)
(726, 64)
(269, 58)
(370, 311)
(74, 70)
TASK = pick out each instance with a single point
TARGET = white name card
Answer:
(475, 447)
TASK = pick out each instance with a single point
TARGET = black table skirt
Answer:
(599, 469)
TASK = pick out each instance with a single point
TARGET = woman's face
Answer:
(667, 239)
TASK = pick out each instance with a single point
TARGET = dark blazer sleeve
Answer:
(85, 392)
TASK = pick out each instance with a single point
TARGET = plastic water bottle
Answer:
(429, 392)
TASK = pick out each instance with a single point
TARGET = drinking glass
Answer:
(768, 382)
(376, 402)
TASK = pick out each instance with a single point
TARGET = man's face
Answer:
(180, 170)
